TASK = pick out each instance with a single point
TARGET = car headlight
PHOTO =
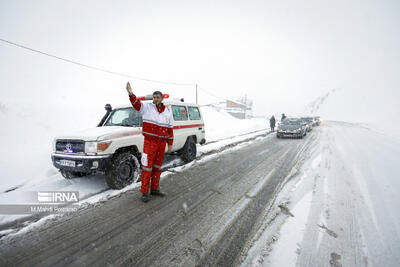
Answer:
(90, 147)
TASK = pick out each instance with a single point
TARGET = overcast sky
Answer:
(281, 54)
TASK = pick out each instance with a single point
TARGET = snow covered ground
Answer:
(339, 209)
(220, 125)
(27, 167)
(342, 207)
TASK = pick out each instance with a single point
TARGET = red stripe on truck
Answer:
(187, 126)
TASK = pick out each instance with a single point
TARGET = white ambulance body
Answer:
(116, 144)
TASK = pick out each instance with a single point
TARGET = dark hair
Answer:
(158, 93)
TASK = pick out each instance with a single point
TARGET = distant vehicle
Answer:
(116, 144)
(292, 127)
(310, 122)
(317, 120)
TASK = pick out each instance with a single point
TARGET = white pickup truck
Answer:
(116, 144)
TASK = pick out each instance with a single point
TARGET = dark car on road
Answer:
(292, 127)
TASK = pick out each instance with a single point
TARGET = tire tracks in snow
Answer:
(205, 203)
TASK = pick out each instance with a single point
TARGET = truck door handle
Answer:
(200, 128)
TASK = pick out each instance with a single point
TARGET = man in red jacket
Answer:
(157, 131)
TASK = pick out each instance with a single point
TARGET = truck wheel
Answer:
(189, 150)
(124, 169)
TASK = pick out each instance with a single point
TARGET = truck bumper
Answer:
(81, 163)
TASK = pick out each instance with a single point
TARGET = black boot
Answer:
(157, 192)
(145, 198)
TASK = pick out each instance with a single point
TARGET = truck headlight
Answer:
(90, 147)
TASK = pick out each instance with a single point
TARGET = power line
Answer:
(211, 94)
(109, 71)
(93, 67)
(224, 98)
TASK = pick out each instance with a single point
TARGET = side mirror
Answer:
(108, 107)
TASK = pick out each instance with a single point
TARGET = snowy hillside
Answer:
(372, 109)
(313, 108)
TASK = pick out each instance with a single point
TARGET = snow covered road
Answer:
(211, 205)
(344, 202)
(326, 200)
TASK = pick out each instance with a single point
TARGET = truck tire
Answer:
(189, 150)
(124, 169)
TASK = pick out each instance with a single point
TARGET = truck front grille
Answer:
(70, 146)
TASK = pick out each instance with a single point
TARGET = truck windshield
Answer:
(124, 117)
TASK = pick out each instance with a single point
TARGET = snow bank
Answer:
(220, 124)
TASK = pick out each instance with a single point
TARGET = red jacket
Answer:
(156, 120)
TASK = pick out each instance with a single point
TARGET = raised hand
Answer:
(129, 88)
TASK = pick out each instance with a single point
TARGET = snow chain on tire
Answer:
(189, 150)
(124, 170)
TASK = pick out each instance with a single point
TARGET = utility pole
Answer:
(196, 93)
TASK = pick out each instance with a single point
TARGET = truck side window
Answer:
(179, 113)
(194, 113)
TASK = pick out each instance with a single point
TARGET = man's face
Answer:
(157, 99)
